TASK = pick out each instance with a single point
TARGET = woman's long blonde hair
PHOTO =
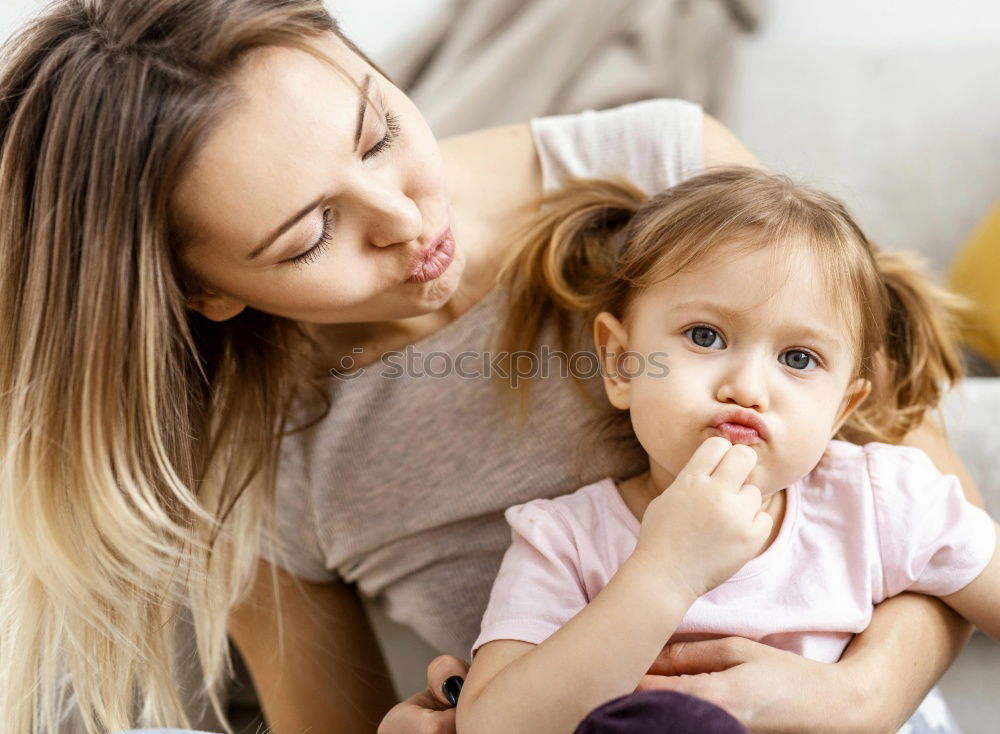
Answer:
(597, 243)
(129, 426)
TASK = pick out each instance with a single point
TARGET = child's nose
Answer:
(744, 383)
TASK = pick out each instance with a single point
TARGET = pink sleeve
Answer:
(538, 587)
(931, 539)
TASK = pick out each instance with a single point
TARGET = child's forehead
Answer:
(784, 283)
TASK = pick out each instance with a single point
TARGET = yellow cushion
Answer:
(976, 274)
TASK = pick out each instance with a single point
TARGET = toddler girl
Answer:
(742, 322)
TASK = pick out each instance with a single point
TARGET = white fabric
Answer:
(506, 61)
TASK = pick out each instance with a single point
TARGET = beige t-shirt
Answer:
(401, 489)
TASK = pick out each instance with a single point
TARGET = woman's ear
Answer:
(214, 306)
(855, 394)
(611, 342)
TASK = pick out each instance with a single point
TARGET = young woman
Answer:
(207, 204)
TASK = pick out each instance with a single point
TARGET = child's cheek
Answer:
(664, 422)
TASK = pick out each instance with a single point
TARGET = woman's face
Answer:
(347, 199)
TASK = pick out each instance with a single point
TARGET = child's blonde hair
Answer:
(596, 243)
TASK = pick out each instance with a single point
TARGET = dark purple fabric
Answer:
(659, 712)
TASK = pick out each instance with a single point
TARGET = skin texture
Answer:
(748, 345)
(282, 146)
(313, 658)
(384, 200)
(281, 141)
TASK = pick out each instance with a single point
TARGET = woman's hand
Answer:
(430, 711)
(767, 689)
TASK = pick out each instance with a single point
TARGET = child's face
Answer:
(752, 334)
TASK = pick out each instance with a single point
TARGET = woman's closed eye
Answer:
(321, 244)
(391, 133)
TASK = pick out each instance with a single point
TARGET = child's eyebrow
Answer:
(729, 313)
(816, 335)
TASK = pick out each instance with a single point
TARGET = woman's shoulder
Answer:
(722, 148)
(493, 176)
(494, 158)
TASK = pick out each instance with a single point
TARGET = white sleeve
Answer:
(654, 144)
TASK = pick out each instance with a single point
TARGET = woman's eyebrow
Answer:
(290, 222)
(362, 106)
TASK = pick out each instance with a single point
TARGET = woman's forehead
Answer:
(289, 114)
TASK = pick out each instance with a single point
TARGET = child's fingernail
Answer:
(452, 687)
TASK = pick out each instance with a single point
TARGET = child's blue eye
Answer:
(704, 336)
(797, 359)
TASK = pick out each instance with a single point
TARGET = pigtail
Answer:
(920, 358)
(565, 260)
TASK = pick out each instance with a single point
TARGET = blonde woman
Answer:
(207, 205)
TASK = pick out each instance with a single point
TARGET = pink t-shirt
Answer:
(867, 523)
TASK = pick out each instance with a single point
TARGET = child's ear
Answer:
(611, 341)
(214, 306)
(856, 393)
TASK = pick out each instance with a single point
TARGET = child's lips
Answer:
(740, 425)
(738, 433)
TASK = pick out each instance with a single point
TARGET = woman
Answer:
(209, 203)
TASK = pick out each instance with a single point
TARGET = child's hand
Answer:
(707, 524)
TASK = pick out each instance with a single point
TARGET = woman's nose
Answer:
(744, 383)
(390, 216)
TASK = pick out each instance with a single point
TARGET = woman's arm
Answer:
(322, 669)
(912, 639)
(879, 682)
(979, 602)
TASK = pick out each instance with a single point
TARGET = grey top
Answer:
(401, 488)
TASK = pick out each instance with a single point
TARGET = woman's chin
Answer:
(435, 294)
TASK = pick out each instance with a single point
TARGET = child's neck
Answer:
(639, 491)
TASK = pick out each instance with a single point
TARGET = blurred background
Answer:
(893, 105)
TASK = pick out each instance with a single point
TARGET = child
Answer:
(774, 318)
